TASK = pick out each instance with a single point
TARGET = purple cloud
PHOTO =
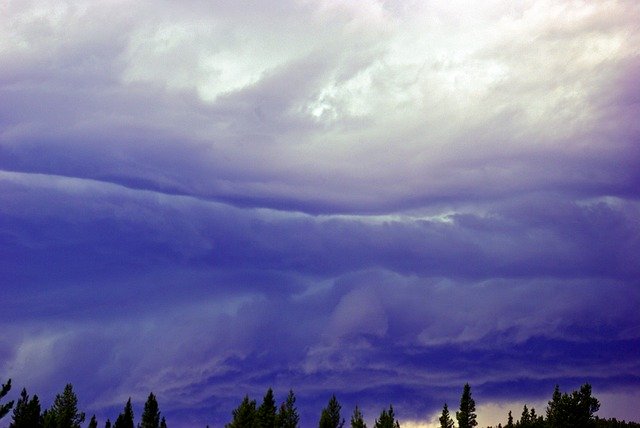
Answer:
(382, 202)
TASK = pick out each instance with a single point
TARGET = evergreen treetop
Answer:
(467, 415)
(509, 420)
(572, 410)
(245, 415)
(330, 417)
(357, 419)
(288, 415)
(64, 411)
(4, 408)
(26, 414)
(387, 419)
(93, 423)
(445, 418)
(151, 413)
(125, 419)
(266, 414)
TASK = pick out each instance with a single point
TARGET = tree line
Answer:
(565, 410)
(64, 412)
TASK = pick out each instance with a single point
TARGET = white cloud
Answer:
(320, 103)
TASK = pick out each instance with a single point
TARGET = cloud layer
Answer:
(383, 200)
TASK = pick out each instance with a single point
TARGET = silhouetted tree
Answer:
(267, 411)
(582, 407)
(64, 412)
(525, 419)
(357, 419)
(107, 424)
(534, 420)
(4, 408)
(125, 419)
(48, 419)
(26, 414)
(288, 414)
(445, 418)
(467, 415)
(387, 420)
(93, 423)
(151, 413)
(509, 420)
(572, 410)
(163, 423)
(330, 417)
(555, 409)
(614, 423)
(245, 415)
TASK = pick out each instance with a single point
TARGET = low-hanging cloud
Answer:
(384, 201)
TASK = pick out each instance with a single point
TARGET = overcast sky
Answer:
(378, 199)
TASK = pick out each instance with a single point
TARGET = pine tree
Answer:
(48, 419)
(4, 408)
(574, 410)
(555, 413)
(445, 418)
(125, 419)
(93, 423)
(64, 411)
(525, 421)
(357, 419)
(288, 414)
(267, 411)
(582, 407)
(151, 413)
(536, 421)
(387, 420)
(330, 417)
(107, 424)
(245, 415)
(467, 415)
(509, 420)
(26, 414)
(163, 423)
(33, 411)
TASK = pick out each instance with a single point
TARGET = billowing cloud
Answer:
(383, 200)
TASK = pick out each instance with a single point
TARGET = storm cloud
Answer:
(382, 200)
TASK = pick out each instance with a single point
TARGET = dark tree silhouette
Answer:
(467, 415)
(387, 419)
(445, 418)
(4, 408)
(509, 420)
(267, 411)
(525, 418)
(330, 416)
(288, 415)
(93, 423)
(572, 410)
(26, 414)
(357, 419)
(151, 413)
(245, 415)
(125, 419)
(64, 412)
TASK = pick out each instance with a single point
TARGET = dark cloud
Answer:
(383, 201)
(382, 309)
